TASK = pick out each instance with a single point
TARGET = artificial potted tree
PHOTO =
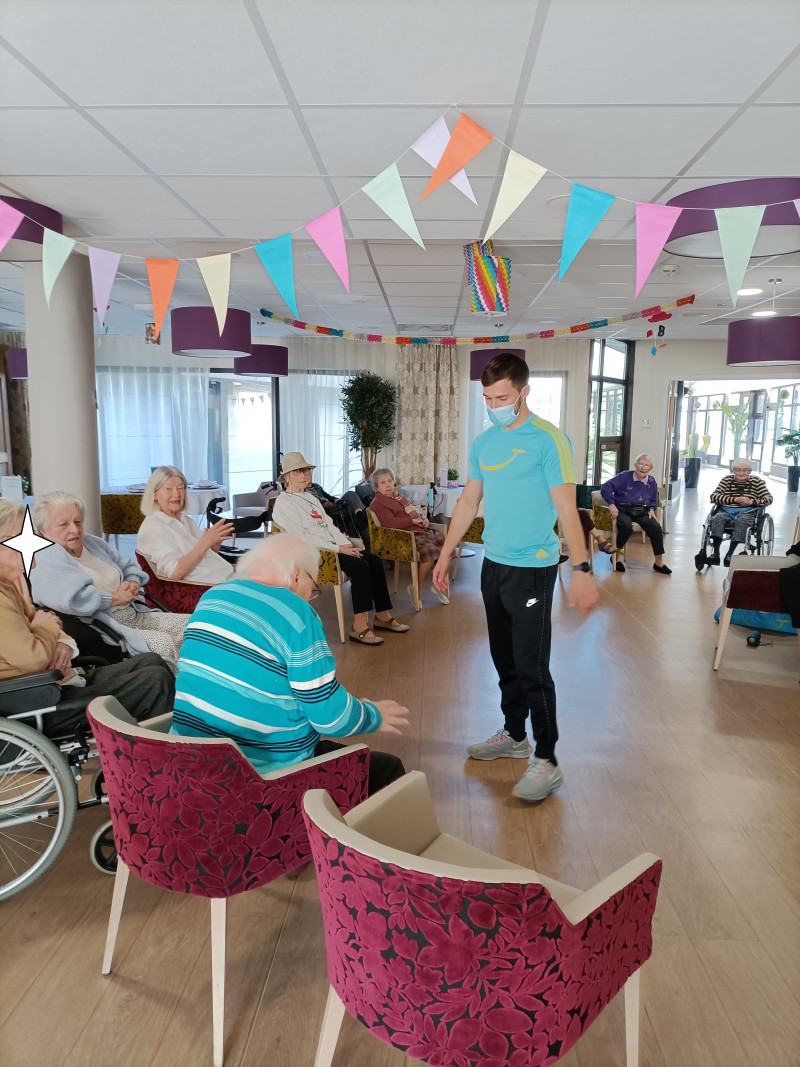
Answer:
(791, 446)
(738, 419)
(369, 404)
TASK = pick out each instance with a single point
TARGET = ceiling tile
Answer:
(265, 198)
(762, 141)
(41, 140)
(104, 197)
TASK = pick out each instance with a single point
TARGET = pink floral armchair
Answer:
(192, 815)
(458, 958)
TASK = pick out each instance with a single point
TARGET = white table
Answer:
(445, 500)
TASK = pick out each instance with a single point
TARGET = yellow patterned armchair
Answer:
(398, 546)
(329, 573)
(474, 535)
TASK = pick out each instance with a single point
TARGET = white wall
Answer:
(680, 360)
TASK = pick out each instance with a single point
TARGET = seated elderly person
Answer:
(299, 513)
(82, 575)
(175, 544)
(632, 496)
(32, 641)
(738, 494)
(396, 511)
(255, 667)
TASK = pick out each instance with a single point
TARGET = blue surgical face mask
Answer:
(504, 416)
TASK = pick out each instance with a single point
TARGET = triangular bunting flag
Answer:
(586, 208)
(10, 219)
(387, 191)
(519, 178)
(161, 274)
(103, 265)
(467, 141)
(738, 229)
(430, 147)
(328, 234)
(797, 205)
(276, 256)
(216, 271)
(654, 224)
(55, 253)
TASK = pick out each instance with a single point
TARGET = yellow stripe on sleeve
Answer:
(563, 446)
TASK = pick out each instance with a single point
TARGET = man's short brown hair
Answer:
(506, 365)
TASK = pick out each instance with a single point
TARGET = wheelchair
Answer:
(44, 743)
(760, 536)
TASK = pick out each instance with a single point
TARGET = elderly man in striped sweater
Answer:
(255, 667)
(738, 495)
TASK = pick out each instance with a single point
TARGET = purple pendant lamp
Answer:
(763, 342)
(195, 332)
(16, 363)
(479, 357)
(265, 361)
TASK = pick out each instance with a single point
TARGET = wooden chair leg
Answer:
(396, 575)
(337, 592)
(415, 583)
(724, 623)
(117, 900)
(632, 1010)
(458, 560)
(591, 553)
(329, 1034)
(218, 914)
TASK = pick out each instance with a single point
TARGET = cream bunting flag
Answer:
(216, 271)
(55, 253)
(738, 228)
(387, 191)
(520, 177)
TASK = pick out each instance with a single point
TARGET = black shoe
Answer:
(727, 560)
(562, 559)
(714, 560)
(620, 567)
(662, 569)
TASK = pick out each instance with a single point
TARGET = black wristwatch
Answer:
(583, 567)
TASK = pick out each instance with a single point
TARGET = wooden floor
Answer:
(659, 753)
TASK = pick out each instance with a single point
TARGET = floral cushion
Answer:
(397, 545)
(474, 532)
(198, 819)
(120, 513)
(463, 973)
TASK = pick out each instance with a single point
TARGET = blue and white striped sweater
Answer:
(255, 667)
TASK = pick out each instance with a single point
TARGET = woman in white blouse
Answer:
(176, 546)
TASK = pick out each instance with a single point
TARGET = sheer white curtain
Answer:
(148, 416)
(311, 408)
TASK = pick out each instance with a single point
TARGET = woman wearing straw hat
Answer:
(298, 512)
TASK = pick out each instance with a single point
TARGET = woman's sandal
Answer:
(392, 625)
(363, 639)
(606, 546)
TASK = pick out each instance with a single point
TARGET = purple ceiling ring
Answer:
(30, 230)
(695, 232)
(16, 363)
(195, 332)
(479, 357)
(764, 342)
(265, 361)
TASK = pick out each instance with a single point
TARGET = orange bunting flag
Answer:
(161, 274)
(467, 140)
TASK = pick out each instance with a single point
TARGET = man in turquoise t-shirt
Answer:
(522, 468)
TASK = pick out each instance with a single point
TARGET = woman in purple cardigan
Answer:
(398, 513)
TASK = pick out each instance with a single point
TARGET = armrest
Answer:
(159, 724)
(583, 906)
(304, 765)
(400, 816)
(30, 681)
(439, 527)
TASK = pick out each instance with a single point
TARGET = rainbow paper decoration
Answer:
(488, 277)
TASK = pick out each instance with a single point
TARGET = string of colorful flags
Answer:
(448, 153)
(653, 314)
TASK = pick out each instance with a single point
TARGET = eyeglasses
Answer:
(315, 589)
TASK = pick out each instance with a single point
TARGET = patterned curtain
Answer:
(427, 379)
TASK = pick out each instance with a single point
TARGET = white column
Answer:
(61, 384)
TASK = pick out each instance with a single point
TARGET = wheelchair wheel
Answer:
(38, 801)
(102, 849)
(767, 539)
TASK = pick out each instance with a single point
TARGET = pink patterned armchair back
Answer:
(180, 597)
(461, 973)
(197, 818)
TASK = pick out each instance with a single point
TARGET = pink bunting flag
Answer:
(103, 265)
(328, 235)
(654, 223)
(10, 219)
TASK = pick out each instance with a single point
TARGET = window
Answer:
(240, 432)
(608, 419)
(312, 423)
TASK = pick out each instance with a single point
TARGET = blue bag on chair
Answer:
(759, 620)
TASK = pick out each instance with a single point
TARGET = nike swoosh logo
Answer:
(531, 602)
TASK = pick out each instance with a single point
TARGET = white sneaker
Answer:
(539, 781)
(443, 597)
(500, 745)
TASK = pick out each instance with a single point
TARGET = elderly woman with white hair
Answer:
(32, 641)
(176, 546)
(255, 667)
(82, 575)
(396, 512)
(632, 496)
(738, 495)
